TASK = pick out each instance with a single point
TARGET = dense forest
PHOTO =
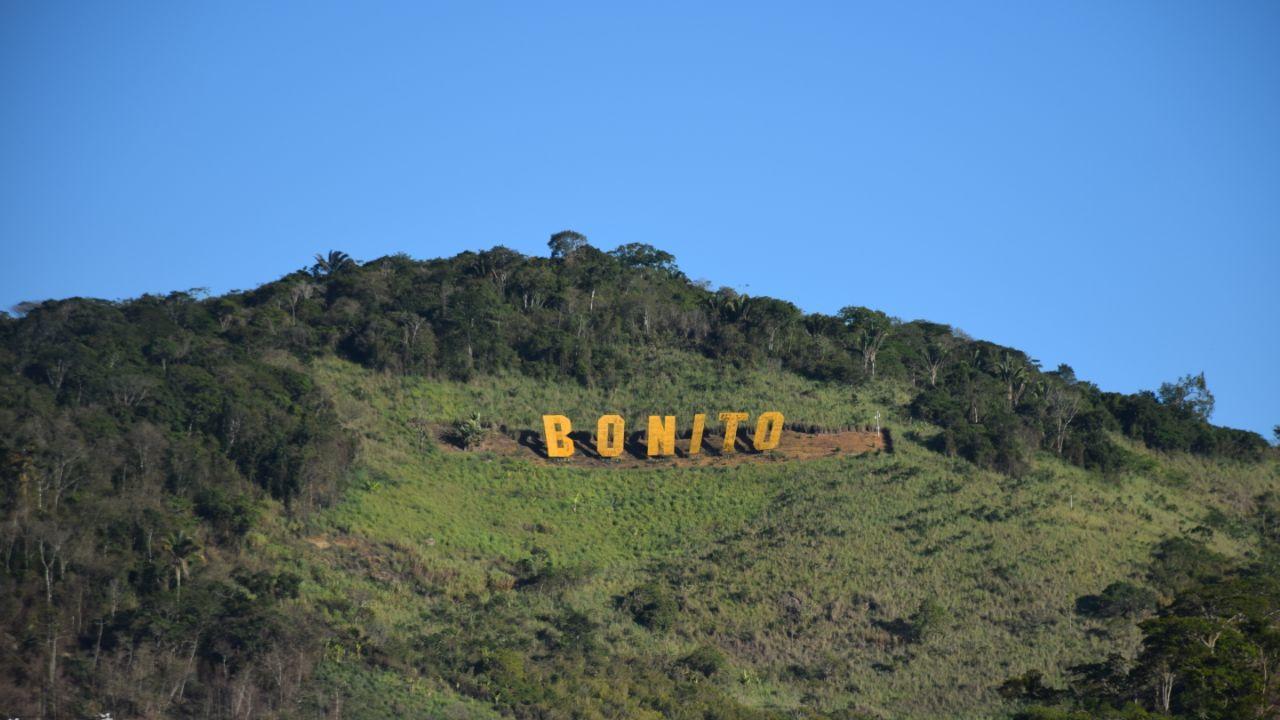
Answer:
(147, 443)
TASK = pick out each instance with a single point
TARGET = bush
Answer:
(470, 432)
(706, 661)
(650, 605)
(1119, 599)
(927, 620)
(1028, 686)
(1179, 563)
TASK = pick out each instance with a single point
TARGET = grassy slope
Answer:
(796, 570)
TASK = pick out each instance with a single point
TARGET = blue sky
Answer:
(1097, 183)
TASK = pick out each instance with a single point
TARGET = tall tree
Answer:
(565, 243)
(1189, 393)
(1062, 406)
(934, 354)
(640, 255)
(183, 551)
(333, 263)
(870, 330)
(1012, 370)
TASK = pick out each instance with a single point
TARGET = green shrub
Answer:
(927, 620)
(650, 605)
(1119, 599)
(470, 432)
(706, 661)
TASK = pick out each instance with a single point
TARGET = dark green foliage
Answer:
(1209, 653)
(928, 620)
(1028, 686)
(1267, 515)
(706, 661)
(1176, 427)
(335, 262)
(1183, 562)
(651, 605)
(998, 440)
(639, 255)
(140, 444)
(1190, 394)
(1119, 599)
(536, 573)
(565, 243)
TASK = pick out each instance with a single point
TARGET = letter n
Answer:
(661, 436)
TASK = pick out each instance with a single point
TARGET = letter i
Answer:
(695, 440)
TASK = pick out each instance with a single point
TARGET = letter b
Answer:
(556, 428)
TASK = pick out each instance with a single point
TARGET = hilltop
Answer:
(252, 505)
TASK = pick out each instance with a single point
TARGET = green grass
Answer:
(378, 693)
(664, 383)
(797, 571)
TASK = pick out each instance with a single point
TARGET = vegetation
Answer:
(470, 432)
(234, 507)
(1210, 652)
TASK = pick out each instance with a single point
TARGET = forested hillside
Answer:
(244, 506)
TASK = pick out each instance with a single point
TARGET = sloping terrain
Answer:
(252, 506)
(803, 575)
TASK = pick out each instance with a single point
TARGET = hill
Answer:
(242, 506)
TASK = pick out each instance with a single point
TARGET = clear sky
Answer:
(1097, 183)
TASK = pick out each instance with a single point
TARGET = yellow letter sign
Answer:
(695, 440)
(609, 435)
(556, 428)
(661, 436)
(768, 431)
(731, 420)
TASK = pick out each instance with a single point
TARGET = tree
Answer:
(565, 243)
(934, 355)
(299, 291)
(332, 264)
(1062, 404)
(184, 551)
(1012, 371)
(639, 255)
(927, 620)
(591, 271)
(497, 265)
(1119, 599)
(773, 318)
(1191, 394)
(417, 343)
(871, 328)
(470, 432)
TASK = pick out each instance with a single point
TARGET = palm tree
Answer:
(1013, 371)
(184, 551)
(335, 262)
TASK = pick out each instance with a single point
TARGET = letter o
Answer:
(768, 431)
(610, 435)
